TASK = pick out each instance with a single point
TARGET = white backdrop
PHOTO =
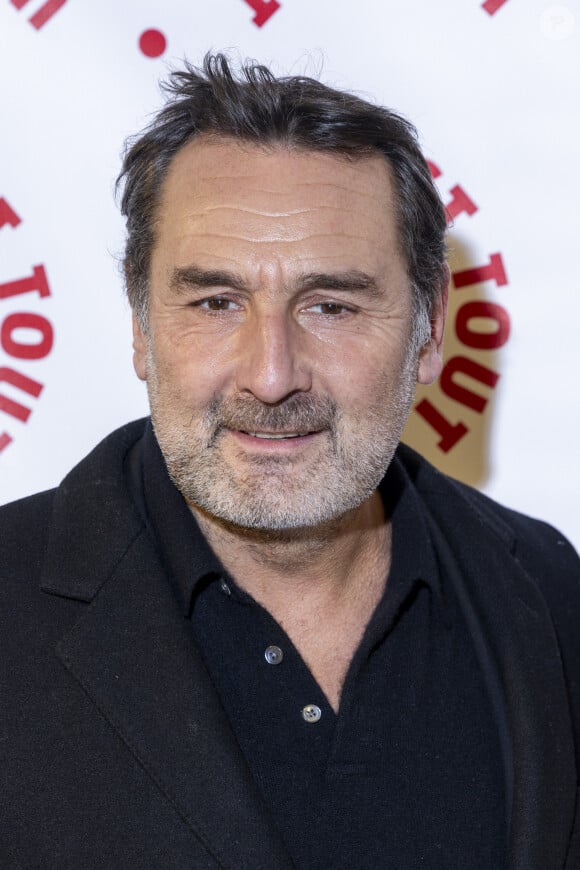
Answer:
(494, 89)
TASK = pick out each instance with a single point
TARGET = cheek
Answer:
(367, 373)
(186, 377)
(208, 348)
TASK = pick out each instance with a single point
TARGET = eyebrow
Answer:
(194, 277)
(353, 280)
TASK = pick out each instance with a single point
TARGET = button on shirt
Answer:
(409, 773)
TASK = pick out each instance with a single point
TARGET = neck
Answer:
(324, 561)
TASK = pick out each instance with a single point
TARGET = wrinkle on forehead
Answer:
(252, 207)
(288, 213)
(305, 204)
(253, 171)
(276, 237)
(254, 182)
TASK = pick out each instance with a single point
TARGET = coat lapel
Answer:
(518, 649)
(133, 653)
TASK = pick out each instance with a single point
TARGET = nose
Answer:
(272, 364)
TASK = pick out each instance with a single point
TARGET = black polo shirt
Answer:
(408, 774)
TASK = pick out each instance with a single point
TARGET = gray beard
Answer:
(271, 493)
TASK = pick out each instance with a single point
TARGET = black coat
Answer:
(114, 749)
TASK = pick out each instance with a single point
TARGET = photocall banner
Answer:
(494, 88)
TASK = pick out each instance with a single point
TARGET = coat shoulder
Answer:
(23, 534)
(26, 524)
(545, 555)
(532, 541)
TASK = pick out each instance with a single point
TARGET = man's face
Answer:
(278, 358)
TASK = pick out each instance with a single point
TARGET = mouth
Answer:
(261, 440)
(277, 436)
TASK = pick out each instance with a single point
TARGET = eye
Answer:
(330, 308)
(217, 303)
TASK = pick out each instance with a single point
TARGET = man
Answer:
(257, 632)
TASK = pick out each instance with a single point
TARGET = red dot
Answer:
(152, 43)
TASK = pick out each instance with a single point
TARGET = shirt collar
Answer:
(413, 556)
(190, 561)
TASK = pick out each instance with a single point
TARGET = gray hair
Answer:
(256, 107)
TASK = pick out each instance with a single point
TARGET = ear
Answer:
(139, 349)
(431, 354)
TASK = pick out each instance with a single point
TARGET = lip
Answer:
(273, 445)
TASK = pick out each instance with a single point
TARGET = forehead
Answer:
(222, 198)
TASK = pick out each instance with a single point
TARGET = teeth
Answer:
(272, 437)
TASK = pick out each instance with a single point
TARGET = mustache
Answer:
(298, 413)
